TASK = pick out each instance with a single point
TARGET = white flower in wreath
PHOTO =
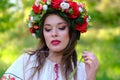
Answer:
(33, 34)
(64, 5)
(31, 19)
(88, 19)
(48, 2)
(80, 9)
(29, 25)
(45, 7)
(37, 2)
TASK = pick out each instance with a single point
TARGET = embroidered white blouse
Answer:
(21, 69)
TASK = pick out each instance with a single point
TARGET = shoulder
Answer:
(16, 70)
(81, 71)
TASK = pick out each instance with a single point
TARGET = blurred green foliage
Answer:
(102, 38)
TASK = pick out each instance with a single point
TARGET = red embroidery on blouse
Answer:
(7, 78)
(56, 71)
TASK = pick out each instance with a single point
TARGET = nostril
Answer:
(54, 33)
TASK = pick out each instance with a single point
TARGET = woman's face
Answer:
(56, 33)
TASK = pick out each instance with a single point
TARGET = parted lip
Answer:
(55, 42)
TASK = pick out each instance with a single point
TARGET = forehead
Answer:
(54, 19)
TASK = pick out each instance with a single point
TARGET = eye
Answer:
(62, 28)
(47, 30)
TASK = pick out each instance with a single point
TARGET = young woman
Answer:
(55, 58)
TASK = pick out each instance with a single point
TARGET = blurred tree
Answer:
(5, 15)
(8, 18)
(105, 41)
(110, 10)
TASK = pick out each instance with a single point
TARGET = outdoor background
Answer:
(102, 37)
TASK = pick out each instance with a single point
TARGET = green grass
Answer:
(103, 42)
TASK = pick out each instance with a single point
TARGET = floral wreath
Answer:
(76, 12)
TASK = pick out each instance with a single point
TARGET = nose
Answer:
(54, 32)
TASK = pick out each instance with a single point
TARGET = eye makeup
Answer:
(59, 26)
(63, 27)
(47, 28)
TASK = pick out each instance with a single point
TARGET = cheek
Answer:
(46, 36)
(66, 36)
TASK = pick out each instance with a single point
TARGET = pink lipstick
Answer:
(55, 42)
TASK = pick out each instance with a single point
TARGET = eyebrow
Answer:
(57, 24)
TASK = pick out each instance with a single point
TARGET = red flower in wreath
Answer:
(75, 10)
(55, 4)
(32, 30)
(37, 9)
(45, 1)
(82, 27)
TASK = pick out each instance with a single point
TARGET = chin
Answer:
(56, 50)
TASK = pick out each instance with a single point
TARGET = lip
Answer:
(55, 42)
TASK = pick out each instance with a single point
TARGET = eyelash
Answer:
(47, 30)
(61, 28)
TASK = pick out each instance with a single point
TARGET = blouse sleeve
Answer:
(15, 71)
(81, 71)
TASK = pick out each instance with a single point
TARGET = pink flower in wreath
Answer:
(82, 5)
(35, 27)
(75, 10)
(55, 4)
(82, 27)
(37, 9)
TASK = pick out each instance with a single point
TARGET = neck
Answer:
(55, 57)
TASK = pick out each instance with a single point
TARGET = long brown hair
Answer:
(69, 58)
